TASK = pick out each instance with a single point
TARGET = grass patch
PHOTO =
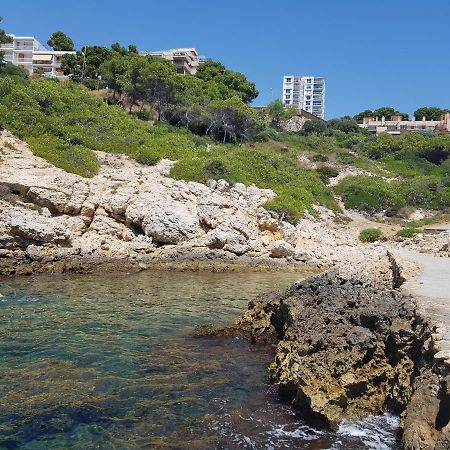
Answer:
(370, 235)
(407, 232)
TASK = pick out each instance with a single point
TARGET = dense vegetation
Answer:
(213, 102)
(64, 124)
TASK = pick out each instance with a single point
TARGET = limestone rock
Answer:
(170, 223)
(35, 228)
(281, 249)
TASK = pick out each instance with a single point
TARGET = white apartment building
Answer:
(186, 60)
(29, 53)
(305, 92)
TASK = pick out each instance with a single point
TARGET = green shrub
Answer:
(146, 160)
(76, 159)
(267, 134)
(427, 192)
(142, 115)
(407, 232)
(214, 169)
(314, 126)
(370, 235)
(371, 194)
(320, 158)
(346, 159)
(327, 172)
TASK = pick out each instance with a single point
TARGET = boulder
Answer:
(281, 249)
(36, 228)
(170, 223)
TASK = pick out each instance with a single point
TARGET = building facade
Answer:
(396, 125)
(306, 93)
(186, 60)
(29, 53)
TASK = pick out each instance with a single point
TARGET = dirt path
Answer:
(432, 287)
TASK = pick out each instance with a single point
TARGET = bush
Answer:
(407, 232)
(314, 126)
(74, 159)
(146, 160)
(427, 192)
(320, 158)
(297, 189)
(214, 169)
(327, 172)
(142, 115)
(370, 235)
(371, 194)
(267, 134)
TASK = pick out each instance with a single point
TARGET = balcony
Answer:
(24, 47)
(23, 60)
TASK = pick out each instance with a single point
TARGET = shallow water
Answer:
(109, 362)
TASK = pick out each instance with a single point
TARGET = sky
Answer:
(371, 54)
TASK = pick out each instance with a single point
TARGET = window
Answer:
(288, 80)
(308, 97)
(308, 103)
(287, 97)
(288, 91)
(288, 102)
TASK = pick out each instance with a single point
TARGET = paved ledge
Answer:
(431, 286)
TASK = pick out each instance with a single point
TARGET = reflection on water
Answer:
(108, 362)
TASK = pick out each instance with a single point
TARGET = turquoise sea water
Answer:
(110, 362)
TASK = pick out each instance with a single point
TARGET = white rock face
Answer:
(129, 210)
(32, 226)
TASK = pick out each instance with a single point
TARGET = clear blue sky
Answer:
(372, 54)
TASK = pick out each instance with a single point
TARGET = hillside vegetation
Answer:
(65, 124)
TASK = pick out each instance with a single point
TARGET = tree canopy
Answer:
(213, 102)
(277, 112)
(61, 42)
(385, 111)
(85, 63)
(235, 81)
(430, 113)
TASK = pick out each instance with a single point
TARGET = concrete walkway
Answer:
(432, 287)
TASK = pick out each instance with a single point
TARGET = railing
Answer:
(7, 46)
(23, 60)
(24, 47)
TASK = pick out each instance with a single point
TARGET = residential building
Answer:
(306, 93)
(186, 60)
(396, 125)
(29, 53)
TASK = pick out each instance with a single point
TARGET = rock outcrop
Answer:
(349, 344)
(136, 213)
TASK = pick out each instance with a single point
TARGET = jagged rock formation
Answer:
(137, 213)
(349, 344)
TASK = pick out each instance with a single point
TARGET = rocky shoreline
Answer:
(182, 263)
(136, 214)
(349, 344)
